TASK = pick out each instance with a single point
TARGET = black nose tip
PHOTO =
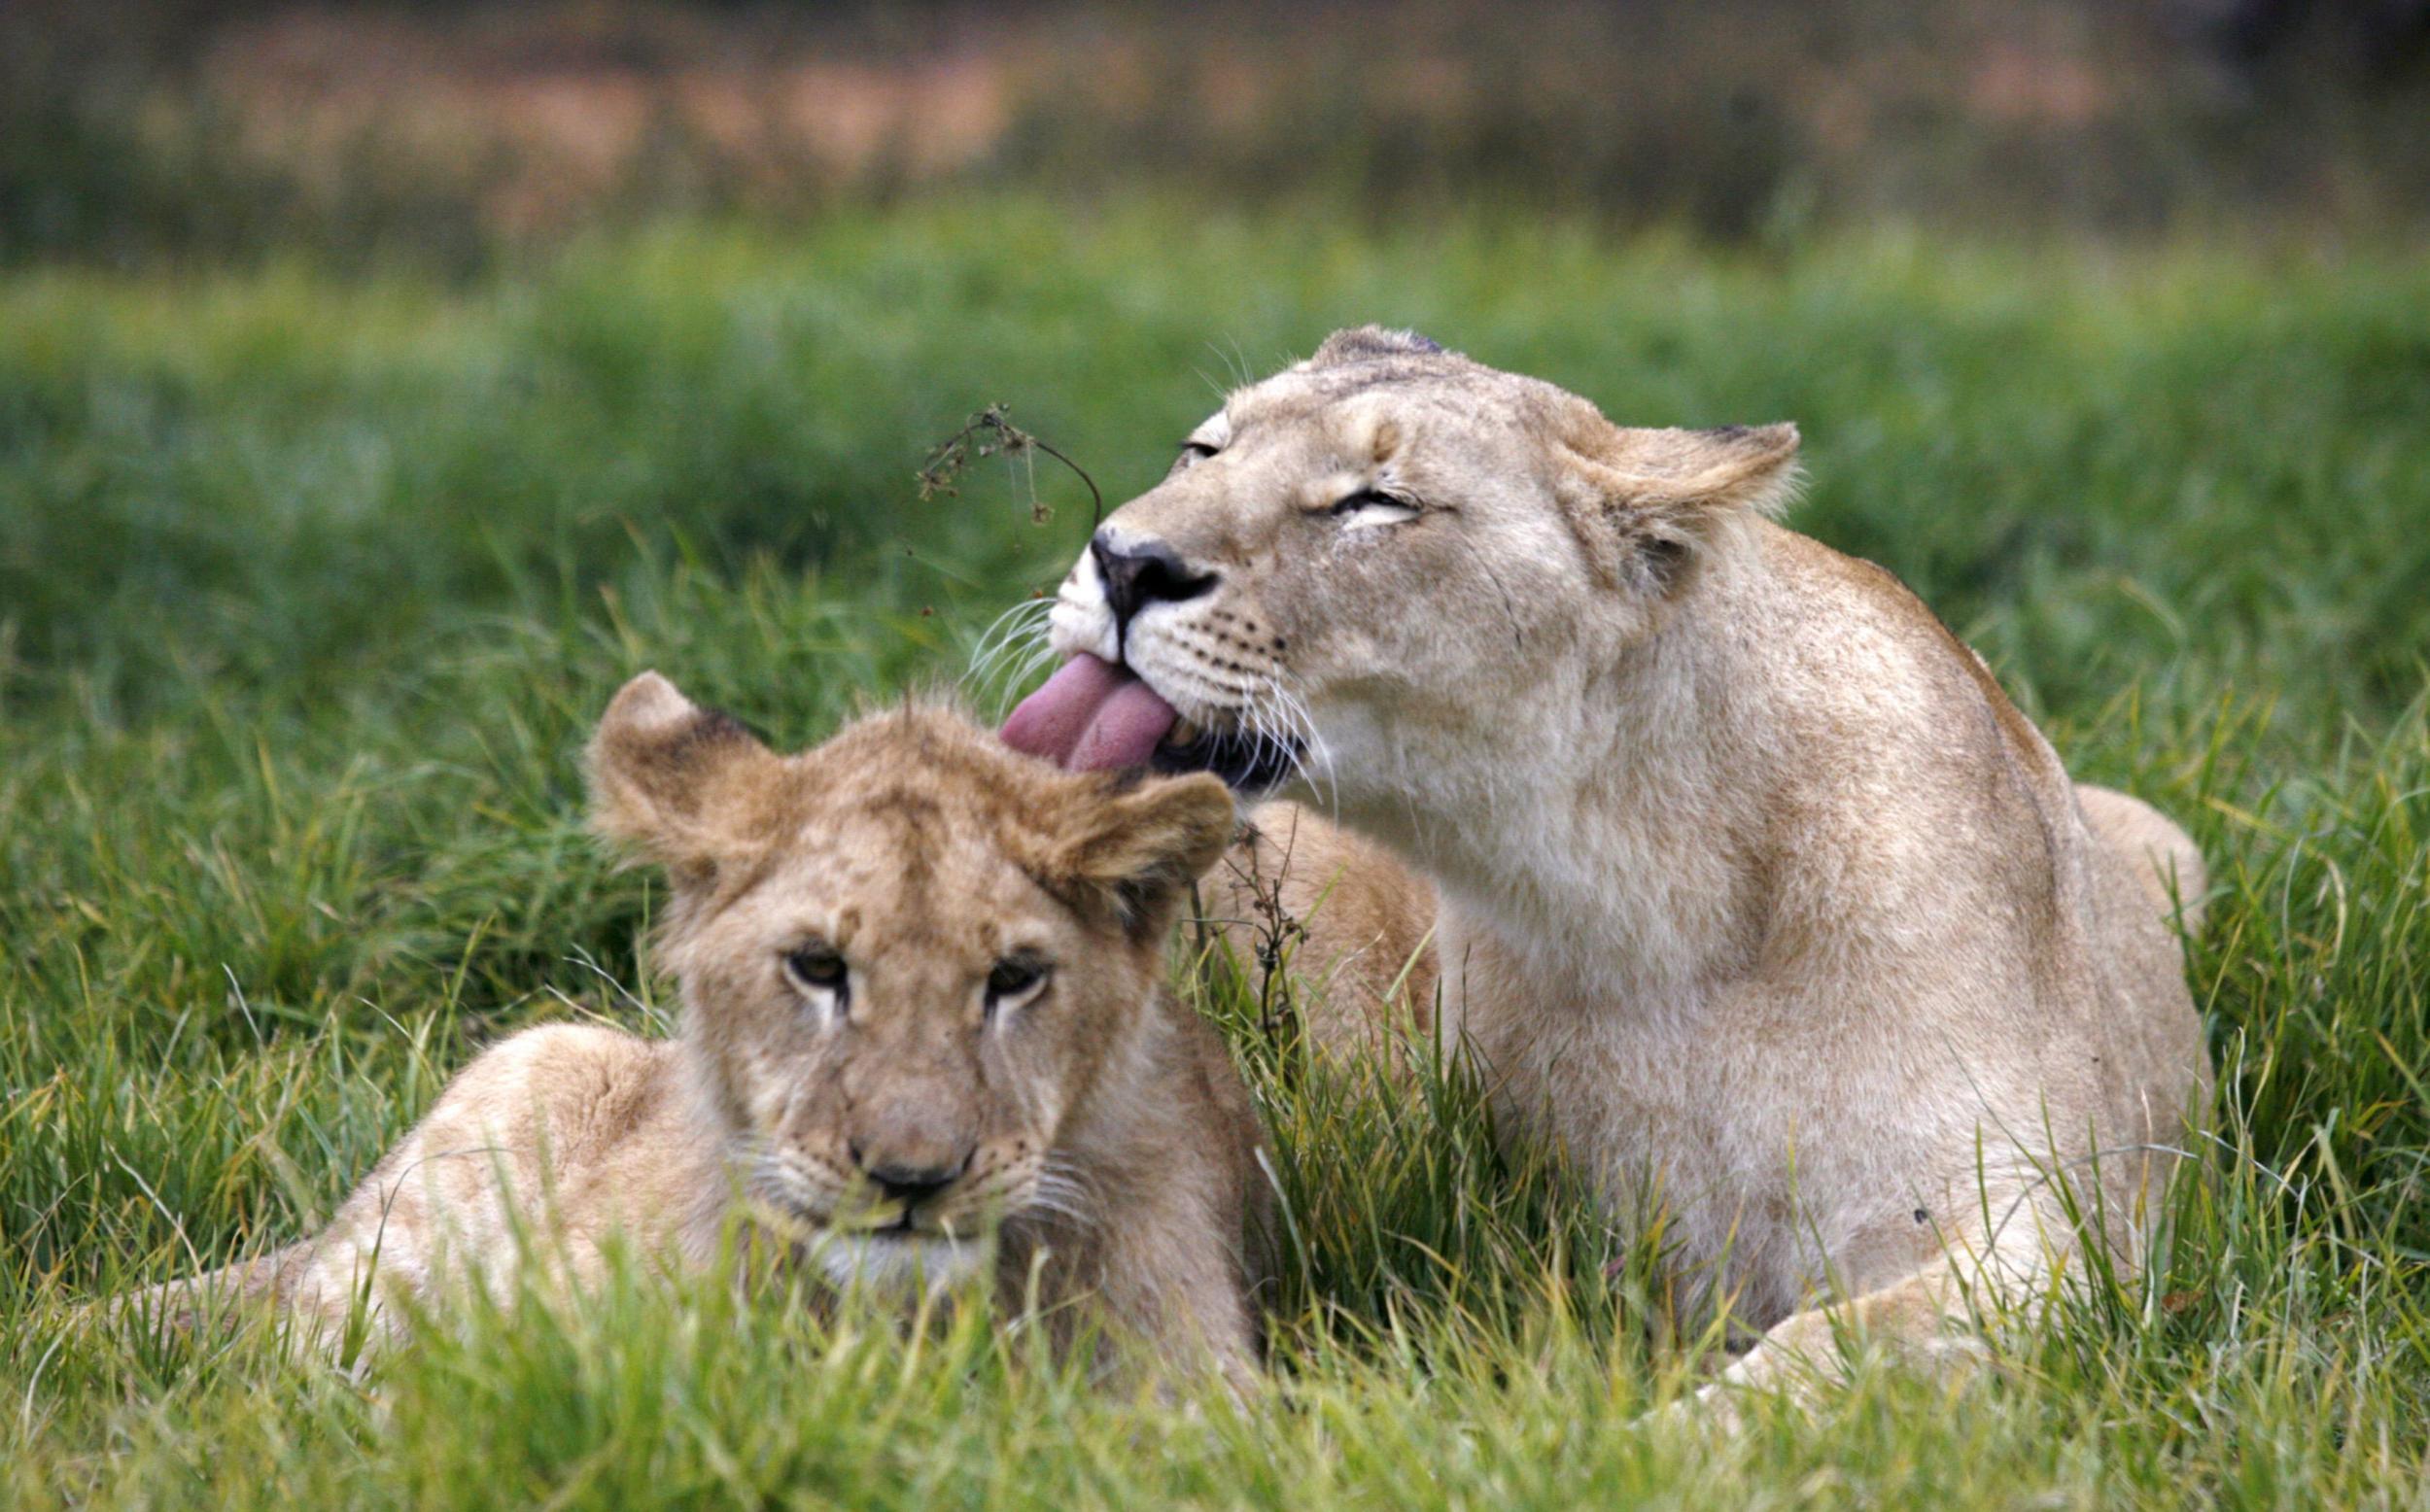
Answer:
(911, 1185)
(1138, 574)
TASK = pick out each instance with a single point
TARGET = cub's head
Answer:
(1358, 565)
(906, 957)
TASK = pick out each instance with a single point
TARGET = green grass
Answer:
(309, 588)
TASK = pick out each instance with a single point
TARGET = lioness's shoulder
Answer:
(1867, 640)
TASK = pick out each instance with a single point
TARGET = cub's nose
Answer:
(1140, 572)
(909, 1183)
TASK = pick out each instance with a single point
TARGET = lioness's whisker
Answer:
(1017, 632)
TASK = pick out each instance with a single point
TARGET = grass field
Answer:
(309, 588)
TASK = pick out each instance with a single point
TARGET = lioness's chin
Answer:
(898, 1262)
(1251, 765)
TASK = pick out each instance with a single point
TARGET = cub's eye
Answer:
(1015, 976)
(1192, 453)
(1372, 506)
(818, 968)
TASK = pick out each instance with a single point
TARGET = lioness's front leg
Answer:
(1935, 1320)
(1922, 1320)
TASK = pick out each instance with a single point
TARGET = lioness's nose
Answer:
(1139, 572)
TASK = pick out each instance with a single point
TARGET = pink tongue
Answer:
(1090, 716)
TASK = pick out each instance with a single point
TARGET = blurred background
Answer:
(450, 131)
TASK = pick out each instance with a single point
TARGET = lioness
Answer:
(923, 1026)
(1757, 896)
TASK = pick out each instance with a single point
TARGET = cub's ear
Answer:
(676, 782)
(1131, 855)
(1647, 504)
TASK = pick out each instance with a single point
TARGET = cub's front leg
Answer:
(528, 1147)
(1179, 1313)
(1170, 1269)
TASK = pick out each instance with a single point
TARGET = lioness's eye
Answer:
(1192, 453)
(1014, 976)
(1372, 506)
(1364, 498)
(816, 967)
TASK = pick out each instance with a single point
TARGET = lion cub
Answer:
(923, 1037)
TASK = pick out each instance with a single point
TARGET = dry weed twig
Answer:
(988, 434)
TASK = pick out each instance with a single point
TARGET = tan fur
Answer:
(1352, 928)
(1757, 895)
(1105, 1145)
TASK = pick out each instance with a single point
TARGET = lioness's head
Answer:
(904, 957)
(1362, 561)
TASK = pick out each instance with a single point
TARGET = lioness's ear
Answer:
(1647, 503)
(1133, 854)
(673, 780)
(1367, 343)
